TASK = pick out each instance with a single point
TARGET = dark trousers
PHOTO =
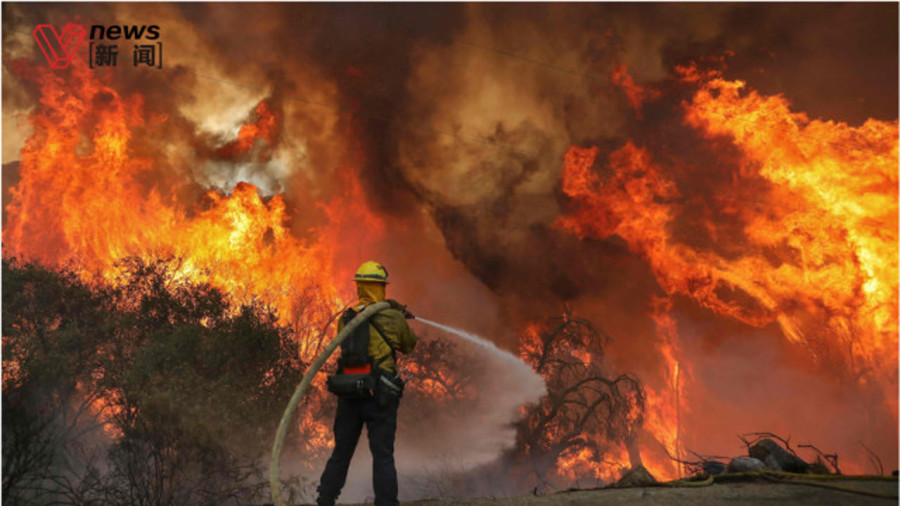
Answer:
(381, 425)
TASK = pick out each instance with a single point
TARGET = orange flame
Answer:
(575, 464)
(845, 226)
(100, 209)
(635, 94)
(86, 200)
(829, 215)
(264, 129)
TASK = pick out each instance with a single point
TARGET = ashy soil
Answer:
(724, 494)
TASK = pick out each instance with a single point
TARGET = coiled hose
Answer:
(274, 467)
(812, 480)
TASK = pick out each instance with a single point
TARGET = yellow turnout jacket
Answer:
(390, 321)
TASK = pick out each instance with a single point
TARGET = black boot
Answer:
(325, 501)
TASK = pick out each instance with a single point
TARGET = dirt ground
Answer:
(730, 494)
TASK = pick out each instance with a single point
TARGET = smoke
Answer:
(494, 205)
(454, 120)
(734, 395)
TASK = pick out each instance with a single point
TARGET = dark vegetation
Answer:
(153, 392)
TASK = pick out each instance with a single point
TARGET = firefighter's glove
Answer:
(400, 307)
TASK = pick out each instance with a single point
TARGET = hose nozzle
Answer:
(402, 308)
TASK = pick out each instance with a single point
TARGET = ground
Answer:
(730, 494)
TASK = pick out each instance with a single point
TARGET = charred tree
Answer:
(584, 408)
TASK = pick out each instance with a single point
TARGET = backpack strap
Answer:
(386, 341)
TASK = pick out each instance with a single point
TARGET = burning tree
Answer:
(579, 428)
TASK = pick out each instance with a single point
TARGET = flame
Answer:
(99, 209)
(845, 226)
(583, 463)
(664, 406)
(599, 453)
(264, 129)
(827, 215)
(83, 202)
(635, 94)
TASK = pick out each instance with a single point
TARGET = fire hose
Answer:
(812, 480)
(274, 467)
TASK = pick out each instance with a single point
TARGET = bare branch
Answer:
(762, 435)
(873, 458)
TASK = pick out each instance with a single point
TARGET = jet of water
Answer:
(484, 343)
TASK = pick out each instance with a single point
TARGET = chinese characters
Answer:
(143, 55)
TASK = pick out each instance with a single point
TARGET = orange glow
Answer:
(816, 251)
(264, 129)
(99, 210)
(827, 212)
(636, 95)
(578, 465)
(84, 201)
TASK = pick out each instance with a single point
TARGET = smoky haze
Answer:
(455, 118)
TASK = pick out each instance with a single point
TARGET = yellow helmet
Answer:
(371, 271)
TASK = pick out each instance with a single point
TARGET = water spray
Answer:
(484, 343)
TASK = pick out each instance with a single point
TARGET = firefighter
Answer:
(387, 334)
